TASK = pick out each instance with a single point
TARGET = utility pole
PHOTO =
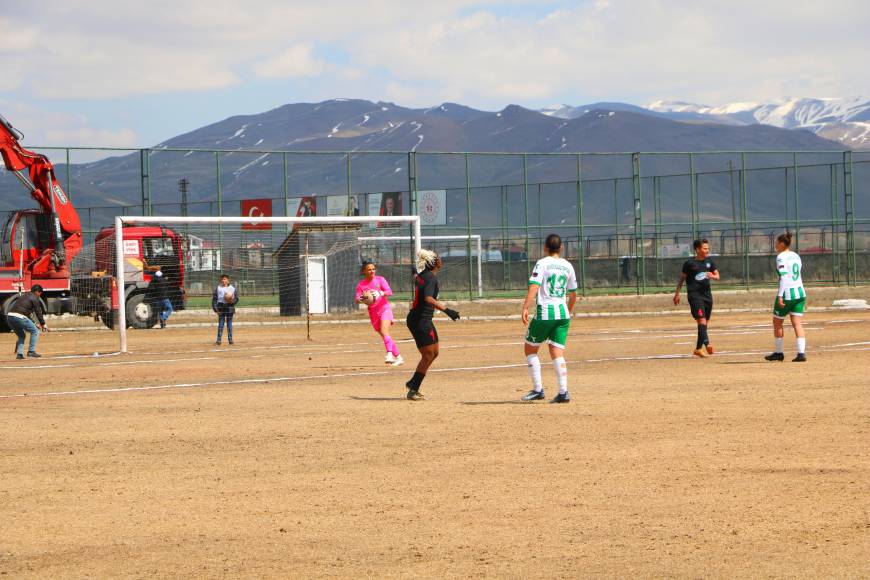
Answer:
(183, 183)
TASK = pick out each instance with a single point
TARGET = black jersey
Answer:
(697, 280)
(425, 284)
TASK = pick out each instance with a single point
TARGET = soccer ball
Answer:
(229, 297)
(368, 298)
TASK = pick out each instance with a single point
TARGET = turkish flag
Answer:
(256, 208)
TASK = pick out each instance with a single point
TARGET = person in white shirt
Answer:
(791, 300)
(223, 302)
(553, 287)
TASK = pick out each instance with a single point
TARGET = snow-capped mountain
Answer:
(838, 119)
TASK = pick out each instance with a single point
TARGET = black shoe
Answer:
(162, 324)
(533, 395)
(19, 356)
(775, 356)
(801, 357)
(562, 398)
(217, 343)
(230, 341)
(415, 395)
(34, 355)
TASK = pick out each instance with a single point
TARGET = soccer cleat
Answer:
(700, 353)
(19, 356)
(562, 398)
(397, 361)
(801, 357)
(34, 355)
(415, 395)
(775, 356)
(709, 349)
(390, 358)
(533, 395)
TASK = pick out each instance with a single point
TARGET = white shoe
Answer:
(389, 359)
(399, 361)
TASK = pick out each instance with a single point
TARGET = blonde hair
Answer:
(426, 259)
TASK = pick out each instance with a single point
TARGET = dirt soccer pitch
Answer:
(282, 458)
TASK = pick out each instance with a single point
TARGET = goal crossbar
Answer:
(120, 221)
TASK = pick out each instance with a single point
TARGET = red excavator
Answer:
(37, 246)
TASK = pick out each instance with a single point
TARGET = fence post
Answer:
(694, 189)
(744, 194)
(657, 205)
(144, 171)
(797, 204)
(850, 218)
(526, 212)
(412, 182)
(220, 206)
(835, 225)
(581, 254)
(640, 274)
(468, 231)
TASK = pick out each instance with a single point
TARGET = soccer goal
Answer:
(278, 266)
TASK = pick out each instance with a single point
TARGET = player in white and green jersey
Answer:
(553, 288)
(790, 301)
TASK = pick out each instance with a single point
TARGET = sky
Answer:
(133, 74)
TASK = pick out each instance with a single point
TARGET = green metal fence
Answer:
(627, 218)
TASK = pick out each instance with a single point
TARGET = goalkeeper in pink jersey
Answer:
(373, 290)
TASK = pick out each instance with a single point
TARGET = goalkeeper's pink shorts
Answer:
(380, 310)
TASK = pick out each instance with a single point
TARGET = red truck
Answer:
(39, 246)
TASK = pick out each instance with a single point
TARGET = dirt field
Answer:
(282, 458)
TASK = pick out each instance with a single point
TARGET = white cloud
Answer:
(296, 61)
(58, 129)
(485, 53)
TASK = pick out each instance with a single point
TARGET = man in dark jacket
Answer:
(159, 288)
(18, 319)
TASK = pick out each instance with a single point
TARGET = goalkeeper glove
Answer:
(451, 313)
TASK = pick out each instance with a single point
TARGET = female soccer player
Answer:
(553, 280)
(697, 273)
(380, 312)
(420, 317)
(790, 300)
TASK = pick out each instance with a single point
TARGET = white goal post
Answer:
(474, 237)
(121, 221)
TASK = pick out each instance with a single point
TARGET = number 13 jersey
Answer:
(556, 279)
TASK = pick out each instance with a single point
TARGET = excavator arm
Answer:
(36, 172)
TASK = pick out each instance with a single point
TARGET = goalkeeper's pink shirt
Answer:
(378, 283)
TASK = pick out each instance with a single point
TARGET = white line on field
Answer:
(108, 364)
(269, 380)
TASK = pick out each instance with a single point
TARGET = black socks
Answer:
(416, 381)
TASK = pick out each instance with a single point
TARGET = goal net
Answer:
(279, 267)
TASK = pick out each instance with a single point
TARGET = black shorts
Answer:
(423, 331)
(701, 306)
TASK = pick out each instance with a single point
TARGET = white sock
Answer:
(561, 373)
(802, 345)
(535, 371)
(780, 344)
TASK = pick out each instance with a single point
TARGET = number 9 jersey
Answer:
(791, 284)
(556, 279)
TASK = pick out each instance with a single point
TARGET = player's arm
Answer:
(385, 288)
(530, 299)
(572, 300)
(680, 283)
(782, 270)
(713, 274)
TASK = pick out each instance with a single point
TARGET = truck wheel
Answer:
(140, 312)
(3, 326)
(4, 306)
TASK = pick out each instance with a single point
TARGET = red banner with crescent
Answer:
(256, 208)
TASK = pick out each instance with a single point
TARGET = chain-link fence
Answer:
(627, 219)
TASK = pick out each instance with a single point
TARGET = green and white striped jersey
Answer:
(791, 285)
(556, 279)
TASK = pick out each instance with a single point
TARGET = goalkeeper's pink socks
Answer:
(390, 345)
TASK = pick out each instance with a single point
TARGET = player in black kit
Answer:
(420, 317)
(697, 273)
